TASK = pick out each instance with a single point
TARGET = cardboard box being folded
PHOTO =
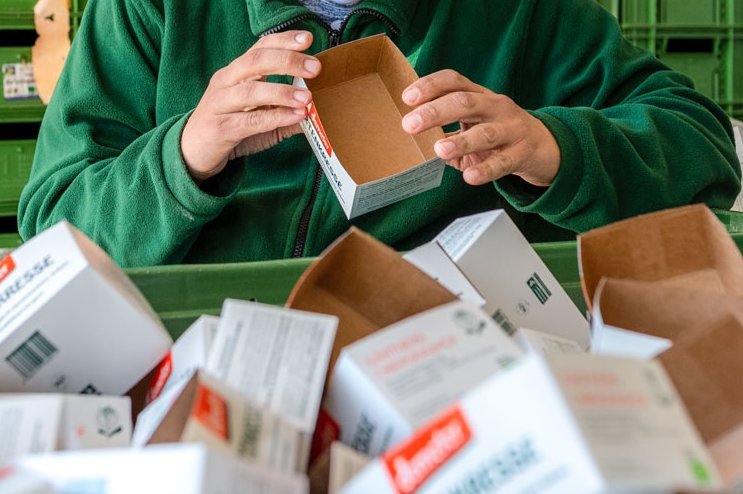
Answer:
(165, 469)
(581, 424)
(42, 423)
(354, 126)
(71, 321)
(202, 409)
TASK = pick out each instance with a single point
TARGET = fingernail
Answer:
(300, 111)
(411, 95)
(445, 148)
(302, 38)
(312, 66)
(413, 121)
(472, 175)
(302, 96)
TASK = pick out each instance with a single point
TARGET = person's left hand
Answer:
(496, 136)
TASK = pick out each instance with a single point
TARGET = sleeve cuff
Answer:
(554, 201)
(217, 192)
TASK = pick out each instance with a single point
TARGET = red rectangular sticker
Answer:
(6, 267)
(164, 370)
(317, 124)
(211, 410)
(415, 460)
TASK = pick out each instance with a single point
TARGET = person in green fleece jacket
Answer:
(171, 136)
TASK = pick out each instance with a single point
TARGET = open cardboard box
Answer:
(354, 126)
(681, 244)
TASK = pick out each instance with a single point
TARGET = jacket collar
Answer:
(268, 14)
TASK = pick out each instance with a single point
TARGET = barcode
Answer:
(31, 356)
(504, 322)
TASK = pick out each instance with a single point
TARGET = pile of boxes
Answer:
(461, 366)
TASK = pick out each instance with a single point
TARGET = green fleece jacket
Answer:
(633, 135)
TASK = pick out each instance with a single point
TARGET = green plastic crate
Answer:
(705, 69)
(17, 14)
(706, 13)
(10, 240)
(15, 167)
(20, 110)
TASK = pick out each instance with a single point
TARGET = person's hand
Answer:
(240, 113)
(496, 136)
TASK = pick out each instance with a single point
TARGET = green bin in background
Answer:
(15, 167)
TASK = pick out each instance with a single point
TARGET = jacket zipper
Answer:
(335, 38)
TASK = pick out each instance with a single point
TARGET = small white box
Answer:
(276, 357)
(167, 469)
(71, 321)
(42, 423)
(188, 354)
(390, 383)
(201, 409)
(14, 482)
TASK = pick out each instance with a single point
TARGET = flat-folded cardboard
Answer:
(354, 126)
(188, 354)
(337, 466)
(202, 409)
(580, 424)
(531, 341)
(683, 243)
(367, 285)
(519, 289)
(71, 321)
(433, 260)
(390, 383)
(165, 469)
(274, 356)
(42, 423)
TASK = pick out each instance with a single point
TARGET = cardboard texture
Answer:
(52, 21)
(204, 410)
(531, 341)
(583, 424)
(106, 346)
(519, 290)
(354, 127)
(659, 246)
(367, 285)
(171, 469)
(390, 383)
(188, 354)
(276, 357)
(42, 423)
(337, 466)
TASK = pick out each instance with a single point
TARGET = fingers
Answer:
(287, 40)
(459, 106)
(436, 85)
(249, 95)
(260, 62)
(480, 138)
(496, 166)
(235, 127)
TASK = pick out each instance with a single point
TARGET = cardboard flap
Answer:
(662, 310)
(659, 246)
(367, 285)
(173, 424)
(706, 368)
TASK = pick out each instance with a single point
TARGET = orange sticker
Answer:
(211, 410)
(317, 124)
(327, 430)
(6, 267)
(164, 370)
(414, 461)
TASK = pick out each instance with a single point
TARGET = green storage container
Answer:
(677, 13)
(704, 68)
(30, 110)
(17, 14)
(15, 167)
(10, 240)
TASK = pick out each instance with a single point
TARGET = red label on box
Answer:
(317, 124)
(164, 370)
(211, 410)
(6, 267)
(326, 431)
(415, 460)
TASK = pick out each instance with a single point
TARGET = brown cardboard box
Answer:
(354, 126)
(661, 246)
(367, 285)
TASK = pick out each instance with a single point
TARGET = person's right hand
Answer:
(240, 113)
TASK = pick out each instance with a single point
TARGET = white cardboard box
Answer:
(276, 357)
(433, 260)
(71, 321)
(14, 482)
(600, 425)
(42, 423)
(337, 466)
(188, 354)
(354, 127)
(531, 341)
(519, 289)
(167, 469)
(202, 409)
(388, 384)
